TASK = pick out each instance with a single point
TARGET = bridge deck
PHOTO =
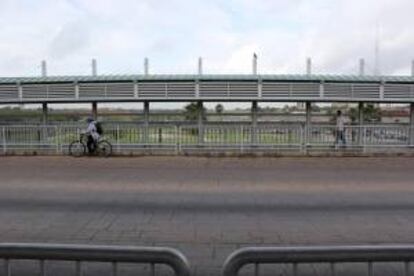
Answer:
(205, 207)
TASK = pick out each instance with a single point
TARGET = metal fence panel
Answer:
(386, 135)
(318, 254)
(360, 136)
(30, 138)
(128, 137)
(91, 253)
(282, 135)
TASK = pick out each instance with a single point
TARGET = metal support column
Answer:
(308, 123)
(4, 140)
(146, 66)
(254, 64)
(362, 67)
(146, 121)
(254, 122)
(94, 68)
(308, 66)
(200, 66)
(44, 114)
(44, 68)
(411, 124)
(200, 122)
(412, 68)
(44, 133)
(360, 123)
(95, 110)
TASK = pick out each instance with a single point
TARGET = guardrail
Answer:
(92, 253)
(178, 139)
(318, 254)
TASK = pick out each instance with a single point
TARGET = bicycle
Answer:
(78, 147)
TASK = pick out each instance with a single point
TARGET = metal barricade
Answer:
(92, 253)
(318, 254)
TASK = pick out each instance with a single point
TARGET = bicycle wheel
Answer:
(77, 149)
(104, 148)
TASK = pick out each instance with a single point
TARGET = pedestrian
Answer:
(340, 129)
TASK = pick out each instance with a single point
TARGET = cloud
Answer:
(174, 33)
(71, 39)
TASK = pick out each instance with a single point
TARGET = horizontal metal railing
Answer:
(365, 136)
(214, 87)
(332, 255)
(182, 138)
(91, 253)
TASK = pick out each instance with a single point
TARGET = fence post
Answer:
(117, 138)
(241, 141)
(254, 123)
(361, 123)
(178, 139)
(308, 123)
(57, 139)
(303, 130)
(364, 139)
(160, 135)
(411, 132)
(200, 122)
(3, 131)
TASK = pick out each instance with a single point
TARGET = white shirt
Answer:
(340, 123)
(91, 129)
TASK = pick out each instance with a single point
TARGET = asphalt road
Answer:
(206, 207)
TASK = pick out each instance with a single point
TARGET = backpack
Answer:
(99, 128)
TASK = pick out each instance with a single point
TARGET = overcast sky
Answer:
(174, 33)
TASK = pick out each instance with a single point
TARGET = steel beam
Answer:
(95, 110)
(361, 67)
(94, 68)
(44, 68)
(200, 66)
(308, 66)
(44, 114)
(146, 66)
(308, 122)
(254, 64)
(412, 68)
(411, 124)
(360, 123)
(254, 121)
(146, 121)
(200, 122)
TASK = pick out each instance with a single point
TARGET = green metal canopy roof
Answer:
(222, 77)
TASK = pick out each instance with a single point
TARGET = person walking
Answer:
(340, 129)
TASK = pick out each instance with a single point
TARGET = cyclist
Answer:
(92, 135)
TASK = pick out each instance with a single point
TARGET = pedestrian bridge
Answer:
(276, 88)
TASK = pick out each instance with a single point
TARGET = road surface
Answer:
(206, 207)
